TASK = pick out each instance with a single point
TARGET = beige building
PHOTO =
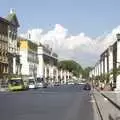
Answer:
(3, 49)
(9, 47)
(13, 44)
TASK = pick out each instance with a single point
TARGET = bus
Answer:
(15, 84)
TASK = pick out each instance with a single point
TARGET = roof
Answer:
(4, 20)
(12, 18)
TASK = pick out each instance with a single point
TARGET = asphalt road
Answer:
(59, 103)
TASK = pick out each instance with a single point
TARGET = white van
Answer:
(39, 83)
(32, 83)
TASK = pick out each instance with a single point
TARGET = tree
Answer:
(86, 71)
(71, 66)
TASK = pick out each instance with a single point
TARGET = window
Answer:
(6, 68)
(0, 36)
(15, 82)
(0, 45)
(6, 48)
(15, 36)
(5, 37)
(10, 34)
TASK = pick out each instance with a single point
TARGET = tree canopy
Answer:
(86, 71)
(71, 66)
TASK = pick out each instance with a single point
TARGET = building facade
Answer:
(28, 58)
(9, 47)
(117, 61)
(47, 67)
(3, 50)
(13, 44)
(64, 76)
(110, 65)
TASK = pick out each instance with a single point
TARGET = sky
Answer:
(75, 29)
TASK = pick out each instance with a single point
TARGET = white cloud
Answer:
(80, 47)
(34, 35)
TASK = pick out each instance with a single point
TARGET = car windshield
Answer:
(39, 80)
(15, 82)
(31, 81)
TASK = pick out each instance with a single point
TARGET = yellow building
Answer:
(28, 59)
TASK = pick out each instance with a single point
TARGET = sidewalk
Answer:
(114, 96)
(107, 109)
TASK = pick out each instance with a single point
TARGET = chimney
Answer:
(12, 11)
(28, 36)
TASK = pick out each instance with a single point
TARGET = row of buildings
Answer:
(21, 57)
(39, 61)
(107, 69)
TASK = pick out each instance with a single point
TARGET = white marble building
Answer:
(47, 64)
(64, 76)
(13, 44)
(110, 61)
(118, 63)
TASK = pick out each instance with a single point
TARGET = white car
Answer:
(32, 84)
(39, 85)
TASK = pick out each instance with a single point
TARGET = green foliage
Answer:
(105, 77)
(97, 78)
(115, 71)
(71, 66)
(86, 71)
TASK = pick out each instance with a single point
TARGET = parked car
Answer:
(39, 83)
(32, 84)
(45, 85)
(57, 84)
(87, 87)
(15, 84)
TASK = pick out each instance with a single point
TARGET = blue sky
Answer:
(94, 17)
(85, 20)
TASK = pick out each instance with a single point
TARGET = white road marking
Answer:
(92, 101)
(105, 99)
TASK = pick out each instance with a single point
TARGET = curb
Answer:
(99, 111)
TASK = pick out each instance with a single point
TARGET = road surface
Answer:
(59, 103)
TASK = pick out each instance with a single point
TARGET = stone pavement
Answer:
(107, 110)
(114, 96)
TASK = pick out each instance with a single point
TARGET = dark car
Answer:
(87, 87)
(45, 85)
(57, 84)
